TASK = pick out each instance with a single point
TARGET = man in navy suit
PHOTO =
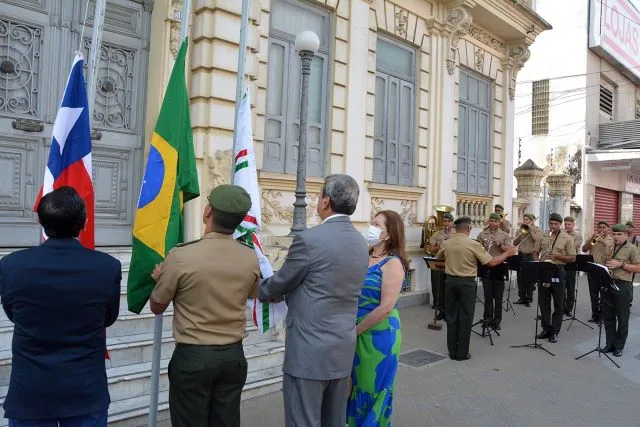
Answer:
(60, 297)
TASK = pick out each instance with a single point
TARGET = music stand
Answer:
(539, 272)
(581, 264)
(513, 265)
(607, 284)
(434, 264)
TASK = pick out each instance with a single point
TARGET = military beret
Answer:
(555, 217)
(630, 224)
(532, 217)
(462, 220)
(230, 199)
(620, 228)
(495, 216)
(448, 216)
(604, 223)
(569, 219)
(498, 206)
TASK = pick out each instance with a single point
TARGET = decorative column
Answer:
(559, 188)
(529, 177)
(517, 56)
(444, 51)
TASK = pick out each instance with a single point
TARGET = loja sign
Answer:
(614, 33)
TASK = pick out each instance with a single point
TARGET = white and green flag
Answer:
(265, 315)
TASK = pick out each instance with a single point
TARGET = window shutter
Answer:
(276, 127)
(463, 127)
(483, 152)
(379, 134)
(472, 147)
(393, 103)
(405, 156)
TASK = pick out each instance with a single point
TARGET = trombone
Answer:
(524, 230)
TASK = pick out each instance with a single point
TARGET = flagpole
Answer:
(94, 53)
(242, 53)
(157, 321)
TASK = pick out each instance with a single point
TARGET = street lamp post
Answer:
(307, 43)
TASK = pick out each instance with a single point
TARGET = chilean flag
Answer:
(70, 154)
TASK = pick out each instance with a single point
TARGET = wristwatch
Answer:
(622, 265)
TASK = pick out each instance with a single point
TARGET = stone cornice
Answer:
(285, 182)
(394, 192)
(487, 39)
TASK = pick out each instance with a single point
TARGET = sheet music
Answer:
(606, 270)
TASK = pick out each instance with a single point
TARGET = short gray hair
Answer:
(343, 191)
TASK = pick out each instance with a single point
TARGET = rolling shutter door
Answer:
(607, 206)
(636, 211)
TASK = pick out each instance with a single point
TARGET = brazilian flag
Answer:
(170, 180)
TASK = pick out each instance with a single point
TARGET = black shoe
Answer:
(606, 349)
(553, 337)
(497, 326)
(440, 316)
(568, 313)
(543, 335)
(467, 357)
(617, 353)
(528, 303)
(521, 301)
(594, 319)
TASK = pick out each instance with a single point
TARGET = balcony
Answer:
(619, 135)
(477, 208)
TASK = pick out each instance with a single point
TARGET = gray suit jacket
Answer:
(322, 278)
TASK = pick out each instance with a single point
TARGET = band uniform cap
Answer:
(495, 216)
(462, 220)
(231, 199)
(630, 224)
(604, 222)
(498, 206)
(532, 217)
(555, 217)
(569, 219)
(620, 228)
(448, 216)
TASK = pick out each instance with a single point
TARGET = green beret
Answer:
(462, 220)
(448, 216)
(555, 217)
(230, 199)
(630, 224)
(604, 223)
(569, 219)
(495, 216)
(532, 217)
(498, 206)
(620, 228)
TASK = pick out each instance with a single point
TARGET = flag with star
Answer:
(170, 180)
(69, 161)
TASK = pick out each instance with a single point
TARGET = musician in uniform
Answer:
(600, 246)
(505, 224)
(495, 241)
(615, 304)
(558, 249)
(461, 256)
(635, 241)
(528, 248)
(570, 298)
(209, 281)
(438, 276)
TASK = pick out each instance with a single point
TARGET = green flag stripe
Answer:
(242, 165)
(265, 317)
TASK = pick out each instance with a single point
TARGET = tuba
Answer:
(432, 225)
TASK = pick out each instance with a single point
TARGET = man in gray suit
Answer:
(322, 278)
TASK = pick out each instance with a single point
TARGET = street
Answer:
(504, 386)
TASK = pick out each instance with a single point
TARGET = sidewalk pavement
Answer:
(504, 386)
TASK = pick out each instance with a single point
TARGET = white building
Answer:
(578, 99)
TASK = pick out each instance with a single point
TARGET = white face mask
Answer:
(372, 236)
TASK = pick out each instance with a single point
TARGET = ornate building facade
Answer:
(413, 98)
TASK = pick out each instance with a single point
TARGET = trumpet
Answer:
(596, 239)
(503, 215)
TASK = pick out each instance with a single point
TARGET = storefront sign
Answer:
(615, 165)
(632, 184)
(614, 33)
